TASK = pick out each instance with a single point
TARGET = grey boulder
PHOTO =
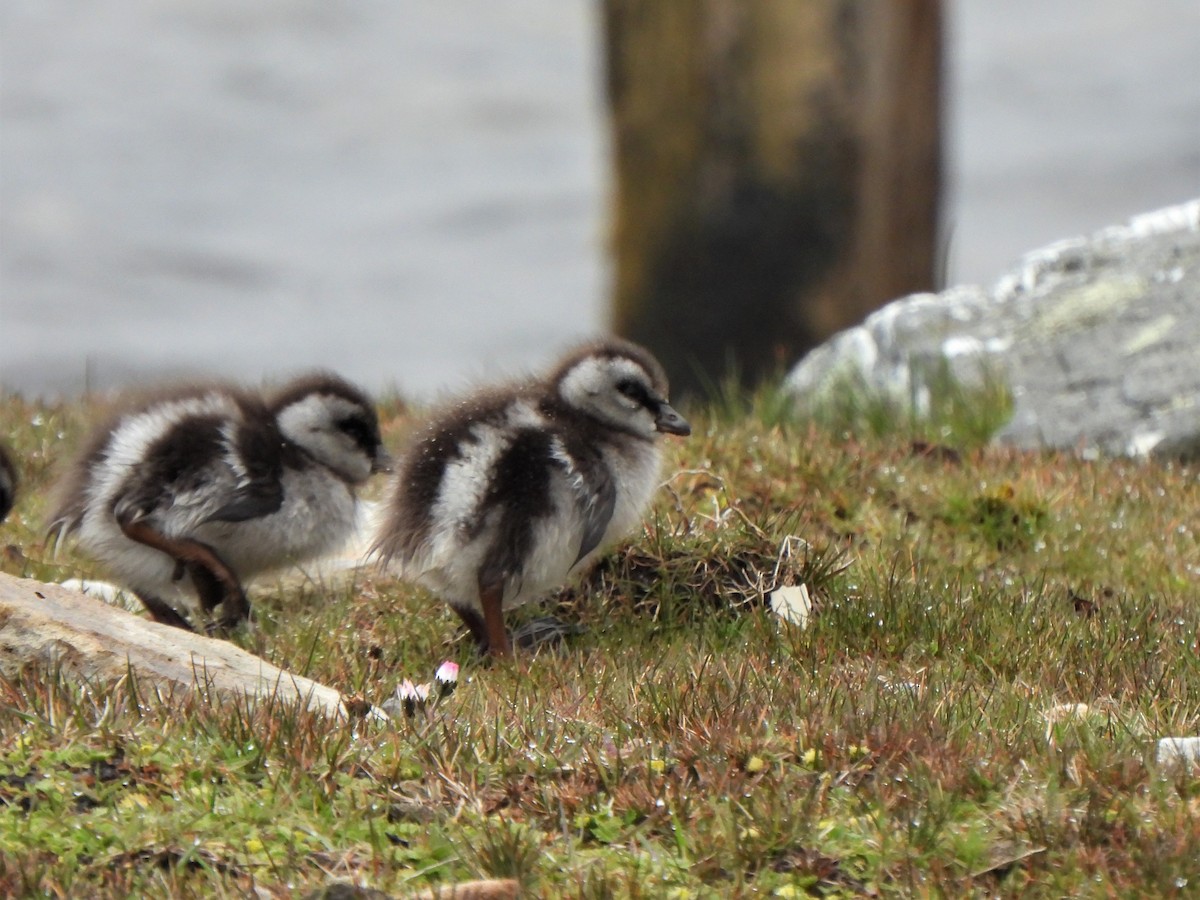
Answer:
(1096, 339)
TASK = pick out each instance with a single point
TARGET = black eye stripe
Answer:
(638, 392)
(360, 431)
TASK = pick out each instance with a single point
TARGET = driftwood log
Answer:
(49, 624)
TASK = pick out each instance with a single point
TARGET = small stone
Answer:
(1178, 752)
(792, 604)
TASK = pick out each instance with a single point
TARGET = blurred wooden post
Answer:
(777, 168)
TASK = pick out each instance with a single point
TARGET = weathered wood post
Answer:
(777, 168)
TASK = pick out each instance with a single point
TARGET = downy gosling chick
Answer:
(188, 493)
(507, 493)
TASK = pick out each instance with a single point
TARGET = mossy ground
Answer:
(998, 640)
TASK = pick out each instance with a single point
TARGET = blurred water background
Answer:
(414, 193)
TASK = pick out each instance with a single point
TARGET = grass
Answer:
(998, 640)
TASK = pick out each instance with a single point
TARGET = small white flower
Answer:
(412, 695)
(446, 678)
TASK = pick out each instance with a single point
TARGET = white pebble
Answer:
(1178, 752)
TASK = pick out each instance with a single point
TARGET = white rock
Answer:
(792, 604)
(1178, 752)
